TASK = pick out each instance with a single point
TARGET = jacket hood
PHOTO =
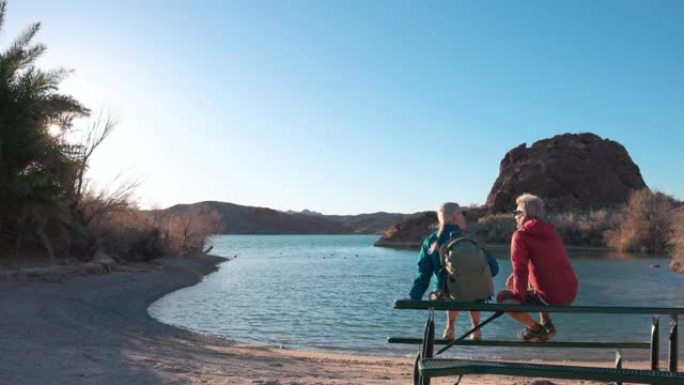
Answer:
(537, 228)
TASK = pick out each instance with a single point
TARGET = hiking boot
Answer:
(539, 335)
(550, 328)
(448, 334)
(476, 335)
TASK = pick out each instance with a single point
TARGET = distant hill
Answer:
(237, 219)
(374, 223)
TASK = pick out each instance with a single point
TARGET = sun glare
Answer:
(54, 130)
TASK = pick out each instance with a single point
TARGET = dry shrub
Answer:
(644, 223)
(677, 240)
(576, 228)
(585, 228)
(187, 233)
(496, 228)
(112, 224)
(129, 235)
(115, 226)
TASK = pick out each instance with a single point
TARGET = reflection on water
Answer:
(336, 293)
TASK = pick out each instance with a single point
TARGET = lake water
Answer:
(321, 292)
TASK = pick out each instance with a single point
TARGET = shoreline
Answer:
(95, 329)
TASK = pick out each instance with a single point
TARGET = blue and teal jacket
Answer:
(430, 264)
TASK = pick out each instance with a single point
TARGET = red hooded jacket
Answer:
(538, 254)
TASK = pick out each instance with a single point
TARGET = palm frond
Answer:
(31, 54)
(22, 41)
(3, 6)
(58, 104)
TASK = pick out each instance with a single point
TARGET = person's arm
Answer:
(491, 261)
(520, 257)
(425, 271)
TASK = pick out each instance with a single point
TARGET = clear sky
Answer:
(346, 106)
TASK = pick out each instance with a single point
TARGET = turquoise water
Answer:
(320, 292)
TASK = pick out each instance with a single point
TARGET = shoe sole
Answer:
(535, 339)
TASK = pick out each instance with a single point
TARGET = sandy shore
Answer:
(95, 329)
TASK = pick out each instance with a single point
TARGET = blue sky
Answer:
(359, 106)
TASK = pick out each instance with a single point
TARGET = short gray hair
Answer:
(532, 205)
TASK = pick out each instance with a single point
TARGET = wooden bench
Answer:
(428, 366)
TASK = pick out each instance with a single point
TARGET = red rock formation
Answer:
(569, 171)
(410, 232)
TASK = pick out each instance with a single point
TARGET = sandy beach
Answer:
(95, 329)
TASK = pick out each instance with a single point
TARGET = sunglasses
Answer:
(518, 213)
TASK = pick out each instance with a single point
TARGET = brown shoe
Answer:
(539, 335)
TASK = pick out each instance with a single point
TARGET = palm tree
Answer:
(36, 169)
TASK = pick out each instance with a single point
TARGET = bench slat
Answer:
(439, 367)
(523, 344)
(470, 306)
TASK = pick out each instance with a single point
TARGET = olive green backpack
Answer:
(469, 277)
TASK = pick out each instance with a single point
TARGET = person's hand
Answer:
(509, 282)
(436, 295)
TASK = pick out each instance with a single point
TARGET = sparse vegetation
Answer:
(644, 223)
(677, 240)
(187, 233)
(585, 228)
(496, 228)
(576, 229)
(45, 198)
(650, 222)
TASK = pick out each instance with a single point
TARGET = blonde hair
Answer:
(444, 212)
(532, 205)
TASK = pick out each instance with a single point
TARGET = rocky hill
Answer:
(570, 171)
(238, 219)
(409, 233)
(374, 223)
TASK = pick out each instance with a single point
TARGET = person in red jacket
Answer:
(542, 273)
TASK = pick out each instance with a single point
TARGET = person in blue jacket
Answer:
(451, 223)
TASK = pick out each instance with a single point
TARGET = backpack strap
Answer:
(451, 243)
(455, 241)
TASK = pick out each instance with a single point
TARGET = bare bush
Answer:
(677, 240)
(187, 233)
(644, 223)
(129, 235)
(585, 228)
(497, 228)
(119, 229)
